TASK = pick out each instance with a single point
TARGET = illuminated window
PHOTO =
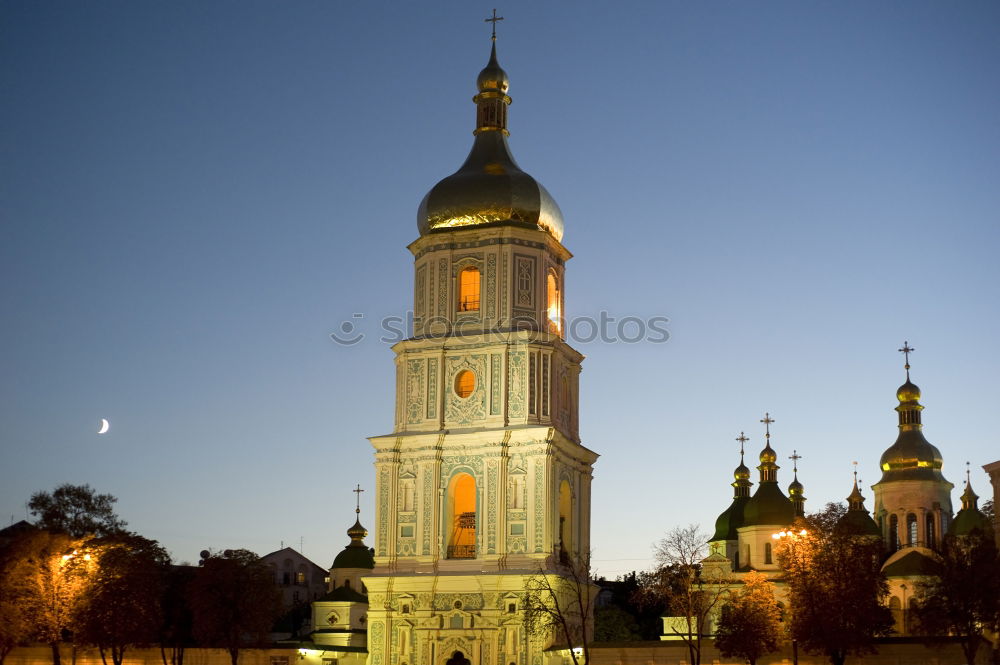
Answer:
(911, 529)
(465, 383)
(468, 290)
(461, 516)
(553, 303)
(300, 578)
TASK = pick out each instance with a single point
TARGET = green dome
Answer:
(859, 523)
(355, 557)
(969, 519)
(769, 505)
(730, 520)
(356, 554)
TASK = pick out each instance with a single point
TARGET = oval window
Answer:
(465, 383)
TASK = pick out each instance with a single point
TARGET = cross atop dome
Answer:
(906, 351)
(494, 20)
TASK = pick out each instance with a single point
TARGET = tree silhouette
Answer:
(750, 621)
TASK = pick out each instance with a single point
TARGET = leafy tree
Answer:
(963, 597)
(613, 624)
(76, 510)
(176, 631)
(750, 621)
(14, 628)
(45, 576)
(679, 582)
(234, 602)
(121, 606)
(562, 604)
(836, 586)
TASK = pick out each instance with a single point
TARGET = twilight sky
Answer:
(194, 195)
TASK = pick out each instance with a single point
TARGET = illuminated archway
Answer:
(553, 302)
(461, 517)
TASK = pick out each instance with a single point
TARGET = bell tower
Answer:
(483, 481)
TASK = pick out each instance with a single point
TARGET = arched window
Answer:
(461, 517)
(468, 290)
(911, 530)
(896, 608)
(893, 533)
(565, 517)
(931, 539)
(554, 304)
(767, 553)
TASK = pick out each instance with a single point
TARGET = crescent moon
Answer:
(105, 426)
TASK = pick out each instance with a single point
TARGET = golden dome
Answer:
(741, 472)
(908, 392)
(493, 78)
(490, 188)
(768, 456)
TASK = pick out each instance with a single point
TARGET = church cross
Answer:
(742, 438)
(906, 351)
(795, 457)
(357, 501)
(767, 420)
(494, 20)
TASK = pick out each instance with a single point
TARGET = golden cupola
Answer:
(911, 457)
(490, 189)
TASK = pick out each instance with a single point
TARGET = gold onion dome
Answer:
(768, 456)
(741, 472)
(911, 457)
(490, 189)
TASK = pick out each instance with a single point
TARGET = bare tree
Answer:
(561, 603)
(680, 582)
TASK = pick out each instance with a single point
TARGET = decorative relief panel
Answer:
(414, 391)
(517, 545)
(491, 494)
(429, 509)
(532, 378)
(472, 408)
(525, 281)
(443, 287)
(469, 601)
(539, 505)
(545, 385)
(491, 285)
(504, 285)
(515, 383)
(375, 643)
(496, 379)
(432, 386)
(420, 297)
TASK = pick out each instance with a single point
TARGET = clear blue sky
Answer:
(195, 194)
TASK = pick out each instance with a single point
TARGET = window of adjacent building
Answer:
(461, 517)
(465, 383)
(554, 305)
(468, 290)
(300, 578)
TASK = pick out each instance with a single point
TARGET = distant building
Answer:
(300, 580)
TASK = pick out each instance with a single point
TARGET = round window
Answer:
(465, 383)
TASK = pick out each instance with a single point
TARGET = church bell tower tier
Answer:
(483, 482)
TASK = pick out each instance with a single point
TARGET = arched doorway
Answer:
(458, 658)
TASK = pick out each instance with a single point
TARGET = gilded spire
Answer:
(909, 396)
(492, 100)
(741, 484)
(795, 489)
(768, 469)
(856, 501)
(357, 532)
(970, 500)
